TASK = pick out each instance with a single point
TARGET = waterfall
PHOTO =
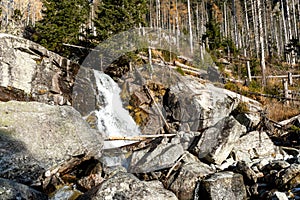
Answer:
(113, 119)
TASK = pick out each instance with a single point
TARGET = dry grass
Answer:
(279, 111)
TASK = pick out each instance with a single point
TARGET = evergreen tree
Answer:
(62, 23)
(213, 33)
(114, 16)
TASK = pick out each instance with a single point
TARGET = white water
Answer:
(113, 119)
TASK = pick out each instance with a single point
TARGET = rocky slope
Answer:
(198, 141)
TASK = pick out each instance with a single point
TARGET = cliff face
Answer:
(31, 72)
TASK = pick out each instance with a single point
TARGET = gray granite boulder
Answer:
(184, 182)
(127, 186)
(149, 160)
(36, 136)
(217, 142)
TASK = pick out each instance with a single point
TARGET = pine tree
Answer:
(62, 23)
(114, 16)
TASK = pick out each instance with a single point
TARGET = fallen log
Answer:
(138, 138)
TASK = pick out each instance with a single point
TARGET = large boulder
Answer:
(216, 142)
(187, 103)
(126, 186)
(36, 136)
(28, 71)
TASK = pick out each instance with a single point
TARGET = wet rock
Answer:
(41, 136)
(254, 145)
(217, 142)
(84, 95)
(31, 72)
(191, 172)
(223, 185)
(148, 160)
(66, 192)
(127, 186)
(12, 190)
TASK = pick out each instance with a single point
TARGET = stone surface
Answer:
(11, 190)
(288, 178)
(217, 141)
(127, 186)
(35, 136)
(223, 186)
(250, 120)
(29, 70)
(254, 145)
(190, 173)
(185, 139)
(149, 160)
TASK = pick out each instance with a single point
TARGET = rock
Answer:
(149, 160)
(189, 175)
(223, 185)
(187, 103)
(42, 136)
(31, 72)
(213, 74)
(296, 122)
(254, 145)
(250, 176)
(250, 120)
(198, 106)
(288, 178)
(84, 95)
(92, 180)
(217, 142)
(276, 165)
(127, 186)
(185, 139)
(12, 190)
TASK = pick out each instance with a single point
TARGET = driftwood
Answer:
(186, 69)
(138, 138)
(183, 66)
(173, 167)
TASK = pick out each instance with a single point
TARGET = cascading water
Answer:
(113, 119)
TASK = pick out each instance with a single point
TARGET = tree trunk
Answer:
(190, 27)
(262, 47)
